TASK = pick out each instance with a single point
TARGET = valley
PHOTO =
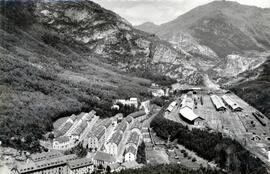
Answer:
(83, 90)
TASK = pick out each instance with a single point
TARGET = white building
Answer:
(158, 92)
(96, 137)
(231, 103)
(103, 158)
(190, 117)
(114, 144)
(131, 102)
(218, 103)
(130, 153)
(146, 106)
(132, 146)
(63, 143)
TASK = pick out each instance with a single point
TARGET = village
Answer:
(114, 143)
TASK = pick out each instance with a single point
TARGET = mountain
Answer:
(63, 57)
(149, 27)
(223, 27)
(230, 41)
(254, 87)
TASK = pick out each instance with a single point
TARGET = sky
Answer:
(160, 11)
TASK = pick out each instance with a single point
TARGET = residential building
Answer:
(133, 140)
(136, 127)
(114, 144)
(129, 120)
(138, 116)
(96, 137)
(50, 166)
(81, 166)
(77, 132)
(103, 158)
(45, 155)
(122, 126)
(63, 143)
(131, 102)
(130, 153)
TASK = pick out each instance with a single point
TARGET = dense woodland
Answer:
(227, 153)
(168, 169)
(256, 91)
(41, 82)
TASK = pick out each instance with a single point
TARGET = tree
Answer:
(108, 169)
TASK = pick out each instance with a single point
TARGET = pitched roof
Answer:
(45, 155)
(63, 130)
(102, 156)
(217, 101)
(134, 138)
(131, 149)
(137, 114)
(80, 116)
(122, 126)
(81, 162)
(231, 102)
(97, 132)
(188, 114)
(187, 102)
(128, 119)
(119, 115)
(62, 139)
(116, 137)
(80, 128)
(137, 125)
(61, 160)
(106, 123)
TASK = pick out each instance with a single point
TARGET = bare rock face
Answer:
(110, 36)
(236, 64)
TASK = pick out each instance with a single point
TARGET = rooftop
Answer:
(63, 130)
(122, 126)
(97, 132)
(137, 125)
(129, 119)
(106, 123)
(188, 114)
(131, 149)
(80, 128)
(217, 101)
(137, 114)
(45, 155)
(102, 156)
(62, 139)
(230, 102)
(62, 160)
(134, 138)
(78, 163)
(116, 137)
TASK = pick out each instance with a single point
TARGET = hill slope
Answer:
(59, 58)
(223, 26)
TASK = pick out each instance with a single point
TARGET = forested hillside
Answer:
(225, 152)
